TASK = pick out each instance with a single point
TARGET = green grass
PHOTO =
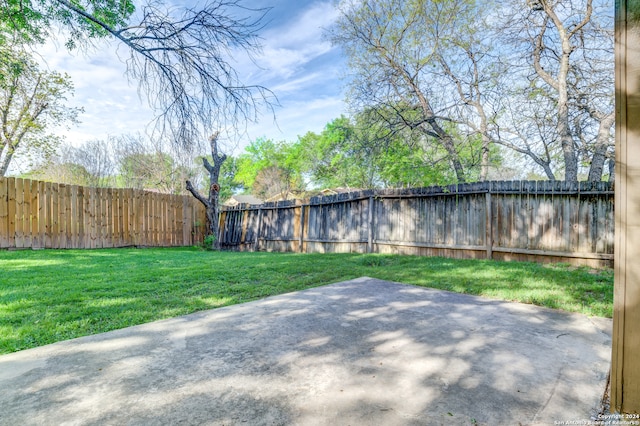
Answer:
(53, 295)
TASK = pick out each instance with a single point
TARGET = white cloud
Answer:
(297, 84)
(111, 103)
(308, 27)
(296, 118)
(287, 49)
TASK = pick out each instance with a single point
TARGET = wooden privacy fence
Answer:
(36, 214)
(520, 220)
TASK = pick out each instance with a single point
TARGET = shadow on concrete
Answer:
(360, 352)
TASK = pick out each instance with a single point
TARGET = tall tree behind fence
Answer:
(520, 220)
(36, 214)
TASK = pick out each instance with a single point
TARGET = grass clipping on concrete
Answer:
(52, 295)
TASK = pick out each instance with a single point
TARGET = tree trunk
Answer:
(447, 143)
(560, 83)
(486, 142)
(547, 170)
(564, 131)
(612, 170)
(6, 160)
(213, 213)
(436, 130)
(602, 146)
(211, 203)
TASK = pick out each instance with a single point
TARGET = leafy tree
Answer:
(404, 157)
(365, 153)
(333, 159)
(228, 183)
(31, 100)
(33, 21)
(422, 65)
(269, 168)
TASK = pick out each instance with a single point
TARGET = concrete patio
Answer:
(362, 352)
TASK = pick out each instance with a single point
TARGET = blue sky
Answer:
(298, 64)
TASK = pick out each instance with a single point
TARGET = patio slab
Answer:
(361, 352)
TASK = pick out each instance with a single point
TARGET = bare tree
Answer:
(181, 58)
(564, 59)
(470, 63)
(535, 77)
(61, 168)
(147, 163)
(96, 157)
(559, 82)
(211, 201)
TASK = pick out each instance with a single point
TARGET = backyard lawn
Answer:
(52, 295)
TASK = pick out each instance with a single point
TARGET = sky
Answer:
(297, 63)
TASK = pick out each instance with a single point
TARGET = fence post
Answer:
(222, 220)
(489, 225)
(245, 224)
(256, 236)
(370, 221)
(301, 236)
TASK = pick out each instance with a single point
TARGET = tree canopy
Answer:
(33, 21)
(31, 102)
(535, 77)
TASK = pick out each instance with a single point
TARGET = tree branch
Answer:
(197, 194)
(183, 66)
(537, 54)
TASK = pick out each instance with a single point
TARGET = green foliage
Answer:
(68, 173)
(364, 153)
(32, 21)
(208, 243)
(356, 153)
(332, 158)
(52, 295)
(229, 185)
(268, 168)
(31, 102)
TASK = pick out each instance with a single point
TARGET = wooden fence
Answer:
(36, 214)
(520, 220)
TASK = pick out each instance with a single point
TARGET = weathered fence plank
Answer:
(499, 220)
(19, 215)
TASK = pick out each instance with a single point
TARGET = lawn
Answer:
(52, 295)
